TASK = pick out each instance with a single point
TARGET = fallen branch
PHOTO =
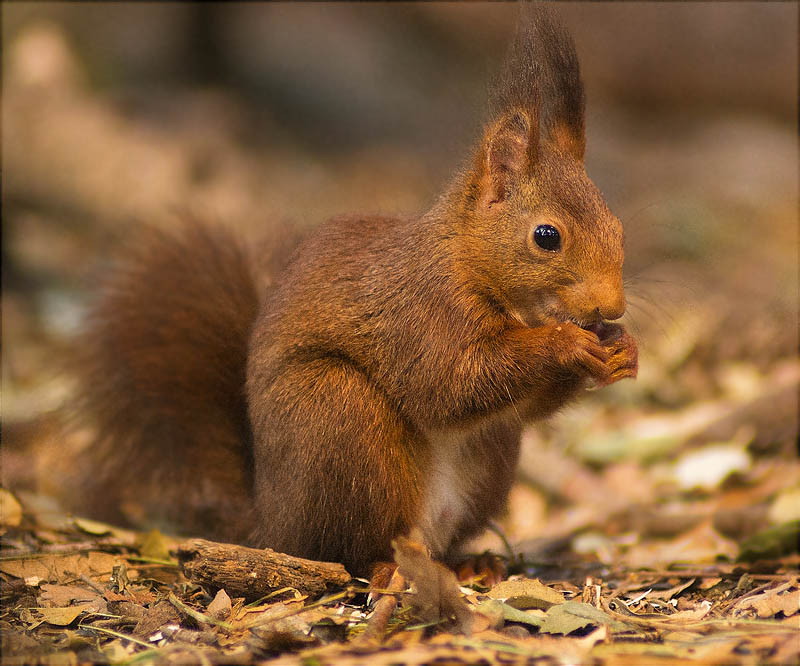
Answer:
(252, 573)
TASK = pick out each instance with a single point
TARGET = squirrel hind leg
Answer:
(337, 470)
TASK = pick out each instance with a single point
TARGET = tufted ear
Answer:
(562, 92)
(509, 151)
(569, 138)
(542, 72)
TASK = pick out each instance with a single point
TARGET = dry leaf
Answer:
(61, 568)
(573, 615)
(709, 466)
(771, 543)
(155, 617)
(438, 595)
(63, 595)
(93, 527)
(220, 607)
(10, 509)
(527, 593)
(153, 545)
(63, 616)
(782, 599)
(533, 618)
(785, 507)
(701, 544)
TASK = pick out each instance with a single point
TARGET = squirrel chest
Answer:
(469, 475)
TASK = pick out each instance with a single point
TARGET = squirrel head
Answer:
(545, 245)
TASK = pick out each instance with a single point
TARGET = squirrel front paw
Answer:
(623, 354)
(579, 351)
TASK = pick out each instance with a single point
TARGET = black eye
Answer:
(547, 237)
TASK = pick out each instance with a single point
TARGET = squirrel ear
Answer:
(569, 139)
(509, 150)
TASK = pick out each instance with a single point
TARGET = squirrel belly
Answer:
(378, 381)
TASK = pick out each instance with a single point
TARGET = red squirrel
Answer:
(377, 379)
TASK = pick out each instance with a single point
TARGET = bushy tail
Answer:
(161, 371)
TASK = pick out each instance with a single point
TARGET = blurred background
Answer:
(279, 115)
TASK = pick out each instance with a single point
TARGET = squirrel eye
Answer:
(547, 237)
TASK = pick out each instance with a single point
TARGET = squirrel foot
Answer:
(486, 569)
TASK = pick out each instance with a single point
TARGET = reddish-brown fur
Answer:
(381, 384)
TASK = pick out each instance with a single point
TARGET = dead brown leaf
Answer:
(220, 607)
(10, 509)
(63, 616)
(701, 544)
(63, 595)
(61, 568)
(526, 594)
(437, 594)
(781, 599)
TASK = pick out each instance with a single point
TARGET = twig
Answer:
(379, 620)
(197, 615)
(271, 595)
(92, 584)
(116, 634)
(258, 622)
(254, 572)
(152, 560)
(493, 526)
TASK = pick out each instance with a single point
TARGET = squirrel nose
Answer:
(613, 309)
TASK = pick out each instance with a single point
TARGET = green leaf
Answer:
(573, 615)
(511, 614)
(771, 543)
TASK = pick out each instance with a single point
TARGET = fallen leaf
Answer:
(701, 544)
(63, 595)
(771, 543)
(573, 615)
(328, 630)
(782, 599)
(708, 467)
(153, 545)
(61, 617)
(220, 607)
(141, 595)
(527, 593)
(60, 568)
(10, 509)
(666, 595)
(155, 617)
(489, 614)
(92, 526)
(437, 593)
(118, 650)
(786, 507)
(32, 568)
(510, 614)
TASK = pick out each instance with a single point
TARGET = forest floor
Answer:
(78, 591)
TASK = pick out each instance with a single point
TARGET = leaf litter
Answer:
(110, 605)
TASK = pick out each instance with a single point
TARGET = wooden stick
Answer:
(384, 607)
(252, 573)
